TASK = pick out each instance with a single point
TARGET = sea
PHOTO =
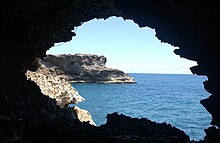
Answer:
(171, 98)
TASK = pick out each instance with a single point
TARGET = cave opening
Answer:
(29, 28)
(160, 61)
(123, 41)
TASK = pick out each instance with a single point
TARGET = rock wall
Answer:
(83, 115)
(86, 68)
(118, 129)
(194, 28)
(55, 86)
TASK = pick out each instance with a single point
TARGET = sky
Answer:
(127, 47)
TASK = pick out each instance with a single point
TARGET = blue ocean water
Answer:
(171, 98)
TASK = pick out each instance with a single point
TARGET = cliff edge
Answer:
(85, 68)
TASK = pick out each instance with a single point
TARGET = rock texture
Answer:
(87, 68)
(118, 129)
(29, 28)
(83, 115)
(55, 86)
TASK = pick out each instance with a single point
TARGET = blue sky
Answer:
(126, 46)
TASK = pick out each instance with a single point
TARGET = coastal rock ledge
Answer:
(85, 68)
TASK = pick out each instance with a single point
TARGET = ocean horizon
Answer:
(170, 98)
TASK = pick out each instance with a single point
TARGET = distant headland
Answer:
(85, 68)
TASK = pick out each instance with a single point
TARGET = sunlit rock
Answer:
(83, 115)
(55, 86)
(87, 68)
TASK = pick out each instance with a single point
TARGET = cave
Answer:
(30, 28)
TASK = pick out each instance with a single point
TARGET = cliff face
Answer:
(55, 86)
(86, 68)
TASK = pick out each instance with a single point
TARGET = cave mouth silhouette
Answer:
(78, 47)
(29, 28)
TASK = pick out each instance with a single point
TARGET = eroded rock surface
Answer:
(118, 129)
(55, 86)
(86, 68)
(59, 88)
(83, 115)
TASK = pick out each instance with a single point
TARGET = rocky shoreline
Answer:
(85, 68)
(56, 72)
(60, 89)
(55, 86)
(102, 82)
(82, 128)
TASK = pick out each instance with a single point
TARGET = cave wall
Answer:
(29, 28)
(193, 26)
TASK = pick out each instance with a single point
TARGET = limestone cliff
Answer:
(85, 68)
(55, 86)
